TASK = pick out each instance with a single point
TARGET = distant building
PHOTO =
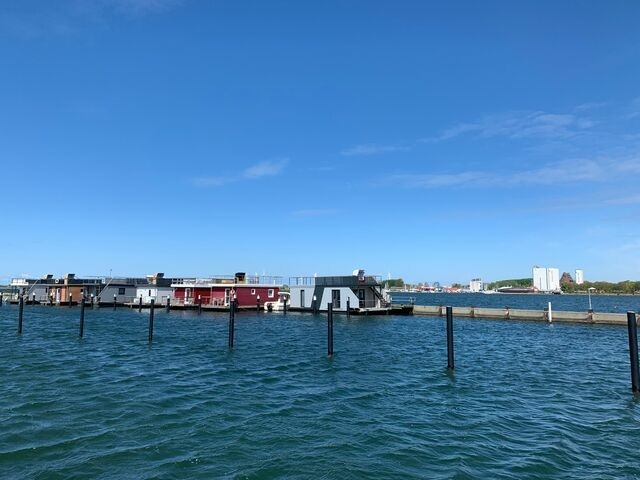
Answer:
(475, 285)
(546, 279)
(566, 279)
(579, 277)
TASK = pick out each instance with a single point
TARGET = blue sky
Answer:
(433, 142)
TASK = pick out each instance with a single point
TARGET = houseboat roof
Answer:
(228, 281)
(355, 280)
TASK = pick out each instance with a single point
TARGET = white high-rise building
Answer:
(579, 277)
(540, 278)
(553, 279)
(475, 285)
(546, 279)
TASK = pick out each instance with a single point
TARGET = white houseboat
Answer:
(362, 293)
(158, 288)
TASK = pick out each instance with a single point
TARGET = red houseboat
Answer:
(248, 291)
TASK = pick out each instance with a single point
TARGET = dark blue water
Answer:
(527, 400)
(567, 303)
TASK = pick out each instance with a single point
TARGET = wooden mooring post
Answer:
(168, 304)
(632, 328)
(140, 304)
(153, 303)
(330, 329)
(348, 308)
(232, 313)
(450, 360)
(82, 317)
(20, 312)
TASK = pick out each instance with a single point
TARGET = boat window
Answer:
(270, 293)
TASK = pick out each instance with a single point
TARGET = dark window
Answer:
(335, 298)
(121, 291)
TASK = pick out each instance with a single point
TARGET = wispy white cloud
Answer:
(139, 7)
(633, 199)
(634, 109)
(518, 125)
(317, 212)
(591, 106)
(558, 173)
(371, 149)
(268, 168)
(210, 181)
(67, 17)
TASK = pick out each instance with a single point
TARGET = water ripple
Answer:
(526, 400)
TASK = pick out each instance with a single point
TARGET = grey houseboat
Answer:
(362, 293)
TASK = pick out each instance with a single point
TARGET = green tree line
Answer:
(624, 287)
(514, 282)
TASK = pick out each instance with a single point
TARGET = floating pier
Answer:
(507, 313)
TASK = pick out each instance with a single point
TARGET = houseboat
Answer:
(70, 289)
(156, 288)
(249, 292)
(56, 291)
(362, 293)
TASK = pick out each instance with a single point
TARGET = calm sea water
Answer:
(527, 400)
(568, 303)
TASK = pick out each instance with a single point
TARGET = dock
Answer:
(557, 316)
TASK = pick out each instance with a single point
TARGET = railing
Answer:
(302, 281)
(368, 303)
(228, 280)
(346, 281)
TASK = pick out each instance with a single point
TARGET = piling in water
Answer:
(232, 309)
(258, 303)
(330, 329)
(20, 312)
(633, 351)
(150, 318)
(70, 299)
(284, 307)
(450, 362)
(140, 304)
(348, 308)
(81, 317)
(168, 304)
(115, 301)
(199, 304)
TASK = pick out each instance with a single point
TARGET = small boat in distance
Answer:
(510, 289)
(284, 298)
